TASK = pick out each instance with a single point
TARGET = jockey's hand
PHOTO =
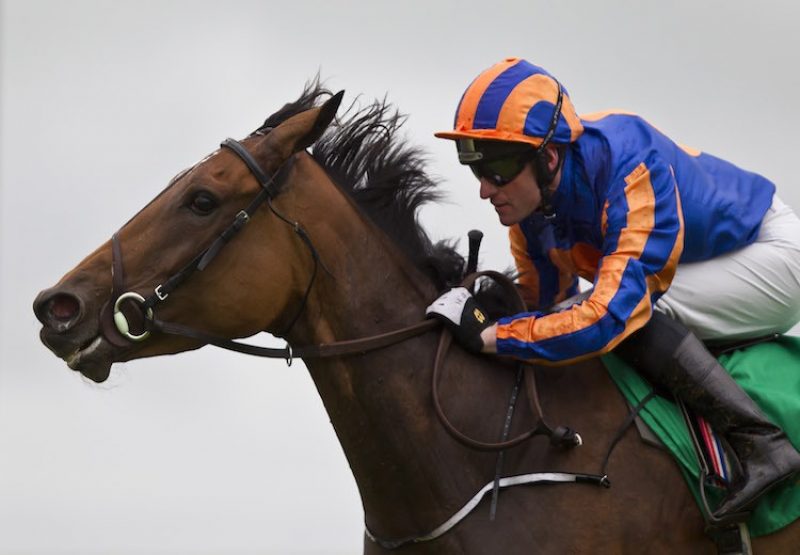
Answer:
(461, 314)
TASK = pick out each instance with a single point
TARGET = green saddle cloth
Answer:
(770, 374)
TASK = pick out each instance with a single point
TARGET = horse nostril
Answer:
(64, 307)
(58, 310)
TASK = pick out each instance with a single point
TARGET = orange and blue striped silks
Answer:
(546, 274)
(641, 248)
(514, 100)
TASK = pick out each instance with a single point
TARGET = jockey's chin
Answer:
(514, 201)
(512, 213)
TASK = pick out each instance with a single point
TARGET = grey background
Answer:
(103, 102)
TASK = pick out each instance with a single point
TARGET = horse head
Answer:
(96, 314)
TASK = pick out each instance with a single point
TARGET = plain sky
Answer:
(103, 102)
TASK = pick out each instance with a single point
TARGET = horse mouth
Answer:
(93, 358)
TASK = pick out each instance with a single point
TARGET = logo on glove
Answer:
(463, 317)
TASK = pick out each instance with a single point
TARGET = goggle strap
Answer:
(554, 120)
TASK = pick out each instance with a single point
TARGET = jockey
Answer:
(678, 245)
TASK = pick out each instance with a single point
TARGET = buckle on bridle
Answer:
(161, 296)
(242, 217)
(121, 321)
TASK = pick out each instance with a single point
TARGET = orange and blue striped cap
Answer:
(514, 100)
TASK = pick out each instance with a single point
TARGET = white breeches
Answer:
(751, 292)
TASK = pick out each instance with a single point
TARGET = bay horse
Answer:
(334, 252)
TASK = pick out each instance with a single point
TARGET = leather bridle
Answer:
(270, 187)
(117, 330)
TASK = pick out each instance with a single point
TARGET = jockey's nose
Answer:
(487, 189)
(57, 310)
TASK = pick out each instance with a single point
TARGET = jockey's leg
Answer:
(748, 293)
(671, 356)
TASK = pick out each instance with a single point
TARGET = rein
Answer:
(269, 189)
(560, 437)
(116, 328)
(323, 350)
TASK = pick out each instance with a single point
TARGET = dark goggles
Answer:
(502, 171)
(498, 162)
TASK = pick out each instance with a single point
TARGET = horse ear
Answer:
(302, 130)
(326, 114)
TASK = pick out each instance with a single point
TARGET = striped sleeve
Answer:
(543, 281)
(643, 241)
(527, 275)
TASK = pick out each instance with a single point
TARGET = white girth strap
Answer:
(521, 479)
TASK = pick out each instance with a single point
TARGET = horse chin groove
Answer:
(93, 361)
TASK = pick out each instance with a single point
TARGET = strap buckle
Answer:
(241, 219)
(158, 291)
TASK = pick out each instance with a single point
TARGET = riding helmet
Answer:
(516, 101)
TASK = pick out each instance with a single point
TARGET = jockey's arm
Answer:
(643, 240)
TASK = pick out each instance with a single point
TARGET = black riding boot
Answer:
(671, 356)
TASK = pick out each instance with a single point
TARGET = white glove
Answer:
(461, 314)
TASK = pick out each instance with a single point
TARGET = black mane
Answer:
(385, 177)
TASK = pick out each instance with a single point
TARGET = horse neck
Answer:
(379, 402)
(364, 284)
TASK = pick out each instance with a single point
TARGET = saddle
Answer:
(769, 371)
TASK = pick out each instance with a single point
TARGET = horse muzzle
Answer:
(69, 332)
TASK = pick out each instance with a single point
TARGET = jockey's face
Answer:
(516, 200)
(519, 198)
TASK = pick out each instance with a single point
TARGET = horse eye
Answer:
(203, 203)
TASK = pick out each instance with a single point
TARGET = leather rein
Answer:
(270, 187)
(117, 329)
